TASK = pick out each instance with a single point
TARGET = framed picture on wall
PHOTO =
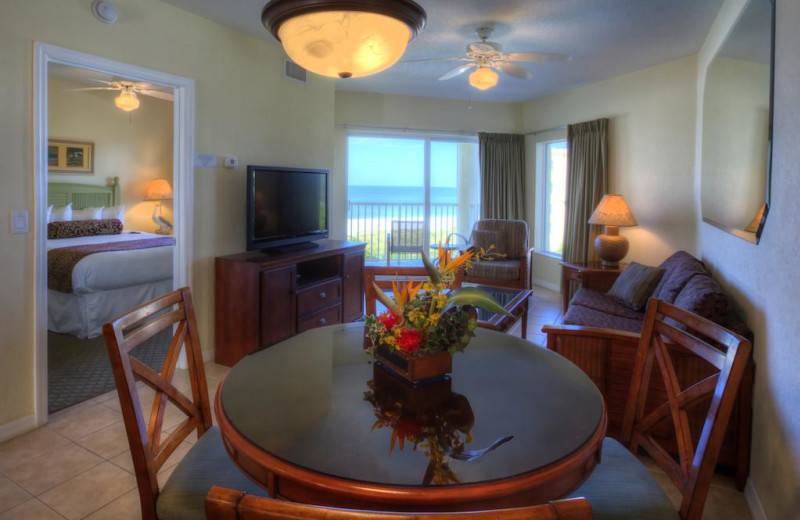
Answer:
(70, 157)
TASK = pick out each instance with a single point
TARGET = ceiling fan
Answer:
(487, 56)
(128, 99)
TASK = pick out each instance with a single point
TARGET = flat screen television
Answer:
(286, 207)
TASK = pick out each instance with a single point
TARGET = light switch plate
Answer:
(205, 160)
(231, 162)
(19, 222)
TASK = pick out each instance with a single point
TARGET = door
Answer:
(353, 287)
(278, 304)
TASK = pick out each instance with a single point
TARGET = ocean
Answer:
(400, 194)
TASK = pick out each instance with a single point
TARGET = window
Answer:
(553, 195)
(425, 188)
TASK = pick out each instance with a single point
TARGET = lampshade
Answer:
(344, 38)
(159, 189)
(483, 78)
(612, 211)
(127, 101)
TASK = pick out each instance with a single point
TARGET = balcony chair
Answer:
(406, 236)
(509, 238)
(228, 504)
(207, 463)
(621, 487)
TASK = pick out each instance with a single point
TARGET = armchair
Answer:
(509, 237)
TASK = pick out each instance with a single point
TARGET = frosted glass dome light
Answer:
(127, 101)
(483, 78)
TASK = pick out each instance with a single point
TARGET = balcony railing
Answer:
(371, 221)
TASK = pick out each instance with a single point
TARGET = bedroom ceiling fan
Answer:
(128, 92)
(487, 56)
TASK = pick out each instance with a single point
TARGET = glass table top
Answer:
(318, 402)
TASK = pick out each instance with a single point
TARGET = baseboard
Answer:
(14, 428)
(753, 501)
(547, 285)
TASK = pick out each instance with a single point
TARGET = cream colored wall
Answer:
(134, 146)
(763, 278)
(244, 107)
(382, 111)
(651, 151)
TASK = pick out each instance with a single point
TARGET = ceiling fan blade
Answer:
(458, 58)
(104, 82)
(89, 88)
(457, 71)
(536, 56)
(511, 69)
(156, 94)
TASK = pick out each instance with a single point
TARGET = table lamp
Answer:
(159, 190)
(612, 212)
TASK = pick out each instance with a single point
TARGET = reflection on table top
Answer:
(317, 402)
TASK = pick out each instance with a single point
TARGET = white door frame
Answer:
(182, 183)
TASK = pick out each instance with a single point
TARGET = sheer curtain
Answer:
(587, 182)
(502, 159)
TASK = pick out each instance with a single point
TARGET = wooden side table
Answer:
(591, 275)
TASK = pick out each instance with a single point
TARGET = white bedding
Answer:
(107, 284)
(117, 269)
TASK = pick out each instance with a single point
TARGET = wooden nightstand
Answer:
(591, 275)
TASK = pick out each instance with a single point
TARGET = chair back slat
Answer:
(228, 504)
(148, 451)
(670, 332)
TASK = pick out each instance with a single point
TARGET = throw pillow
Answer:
(483, 238)
(115, 212)
(83, 228)
(60, 214)
(87, 214)
(635, 285)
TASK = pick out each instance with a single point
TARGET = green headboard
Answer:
(83, 195)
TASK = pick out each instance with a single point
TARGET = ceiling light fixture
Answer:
(127, 100)
(344, 38)
(483, 78)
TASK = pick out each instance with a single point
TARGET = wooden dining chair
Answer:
(207, 463)
(228, 504)
(621, 487)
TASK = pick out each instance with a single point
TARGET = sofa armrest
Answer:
(556, 331)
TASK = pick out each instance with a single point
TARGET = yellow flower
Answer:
(433, 320)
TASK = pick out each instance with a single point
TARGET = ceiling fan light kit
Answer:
(483, 78)
(127, 101)
(344, 38)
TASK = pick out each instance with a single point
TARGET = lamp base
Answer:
(611, 247)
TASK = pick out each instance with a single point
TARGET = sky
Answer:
(380, 161)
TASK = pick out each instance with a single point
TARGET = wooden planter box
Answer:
(417, 370)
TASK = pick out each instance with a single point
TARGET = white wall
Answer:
(134, 146)
(243, 105)
(651, 152)
(764, 280)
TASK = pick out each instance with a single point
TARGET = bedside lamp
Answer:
(612, 212)
(159, 190)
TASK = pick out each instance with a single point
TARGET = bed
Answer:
(108, 283)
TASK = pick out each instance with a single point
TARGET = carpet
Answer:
(79, 369)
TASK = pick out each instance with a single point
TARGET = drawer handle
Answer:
(323, 295)
(322, 321)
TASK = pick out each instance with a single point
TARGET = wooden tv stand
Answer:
(264, 298)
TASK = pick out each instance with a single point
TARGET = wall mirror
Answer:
(737, 125)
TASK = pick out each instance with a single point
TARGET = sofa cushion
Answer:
(635, 285)
(703, 296)
(484, 239)
(580, 315)
(495, 269)
(604, 303)
(679, 268)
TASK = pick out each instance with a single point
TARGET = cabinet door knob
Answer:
(322, 321)
(323, 295)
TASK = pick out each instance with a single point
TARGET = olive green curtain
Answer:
(587, 182)
(502, 160)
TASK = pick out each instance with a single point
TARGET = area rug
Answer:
(79, 369)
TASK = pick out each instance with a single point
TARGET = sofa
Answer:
(600, 335)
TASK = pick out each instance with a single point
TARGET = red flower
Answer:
(389, 319)
(408, 340)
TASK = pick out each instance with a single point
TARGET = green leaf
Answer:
(478, 298)
(433, 273)
(388, 302)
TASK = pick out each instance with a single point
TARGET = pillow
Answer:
(87, 214)
(84, 228)
(635, 285)
(114, 212)
(60, 214)
(482, 238)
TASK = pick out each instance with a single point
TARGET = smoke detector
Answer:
(104, 11)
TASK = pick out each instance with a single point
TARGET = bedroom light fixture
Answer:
(159, 190)
(612, 212)
(483, 78)
(127, 100)
(344, 38)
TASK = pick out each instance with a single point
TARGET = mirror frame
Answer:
(754, 238)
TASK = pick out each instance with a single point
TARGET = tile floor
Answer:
(79, 466)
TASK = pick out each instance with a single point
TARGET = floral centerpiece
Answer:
(427, 322)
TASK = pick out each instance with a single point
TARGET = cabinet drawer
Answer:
(311, 299)
(329, 316)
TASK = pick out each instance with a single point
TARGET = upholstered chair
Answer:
(510, 239)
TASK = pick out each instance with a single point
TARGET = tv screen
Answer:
(285, 206)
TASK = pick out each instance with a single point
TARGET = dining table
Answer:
(314, 419)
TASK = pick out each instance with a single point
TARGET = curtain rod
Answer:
(551, 129)
(372, 128)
